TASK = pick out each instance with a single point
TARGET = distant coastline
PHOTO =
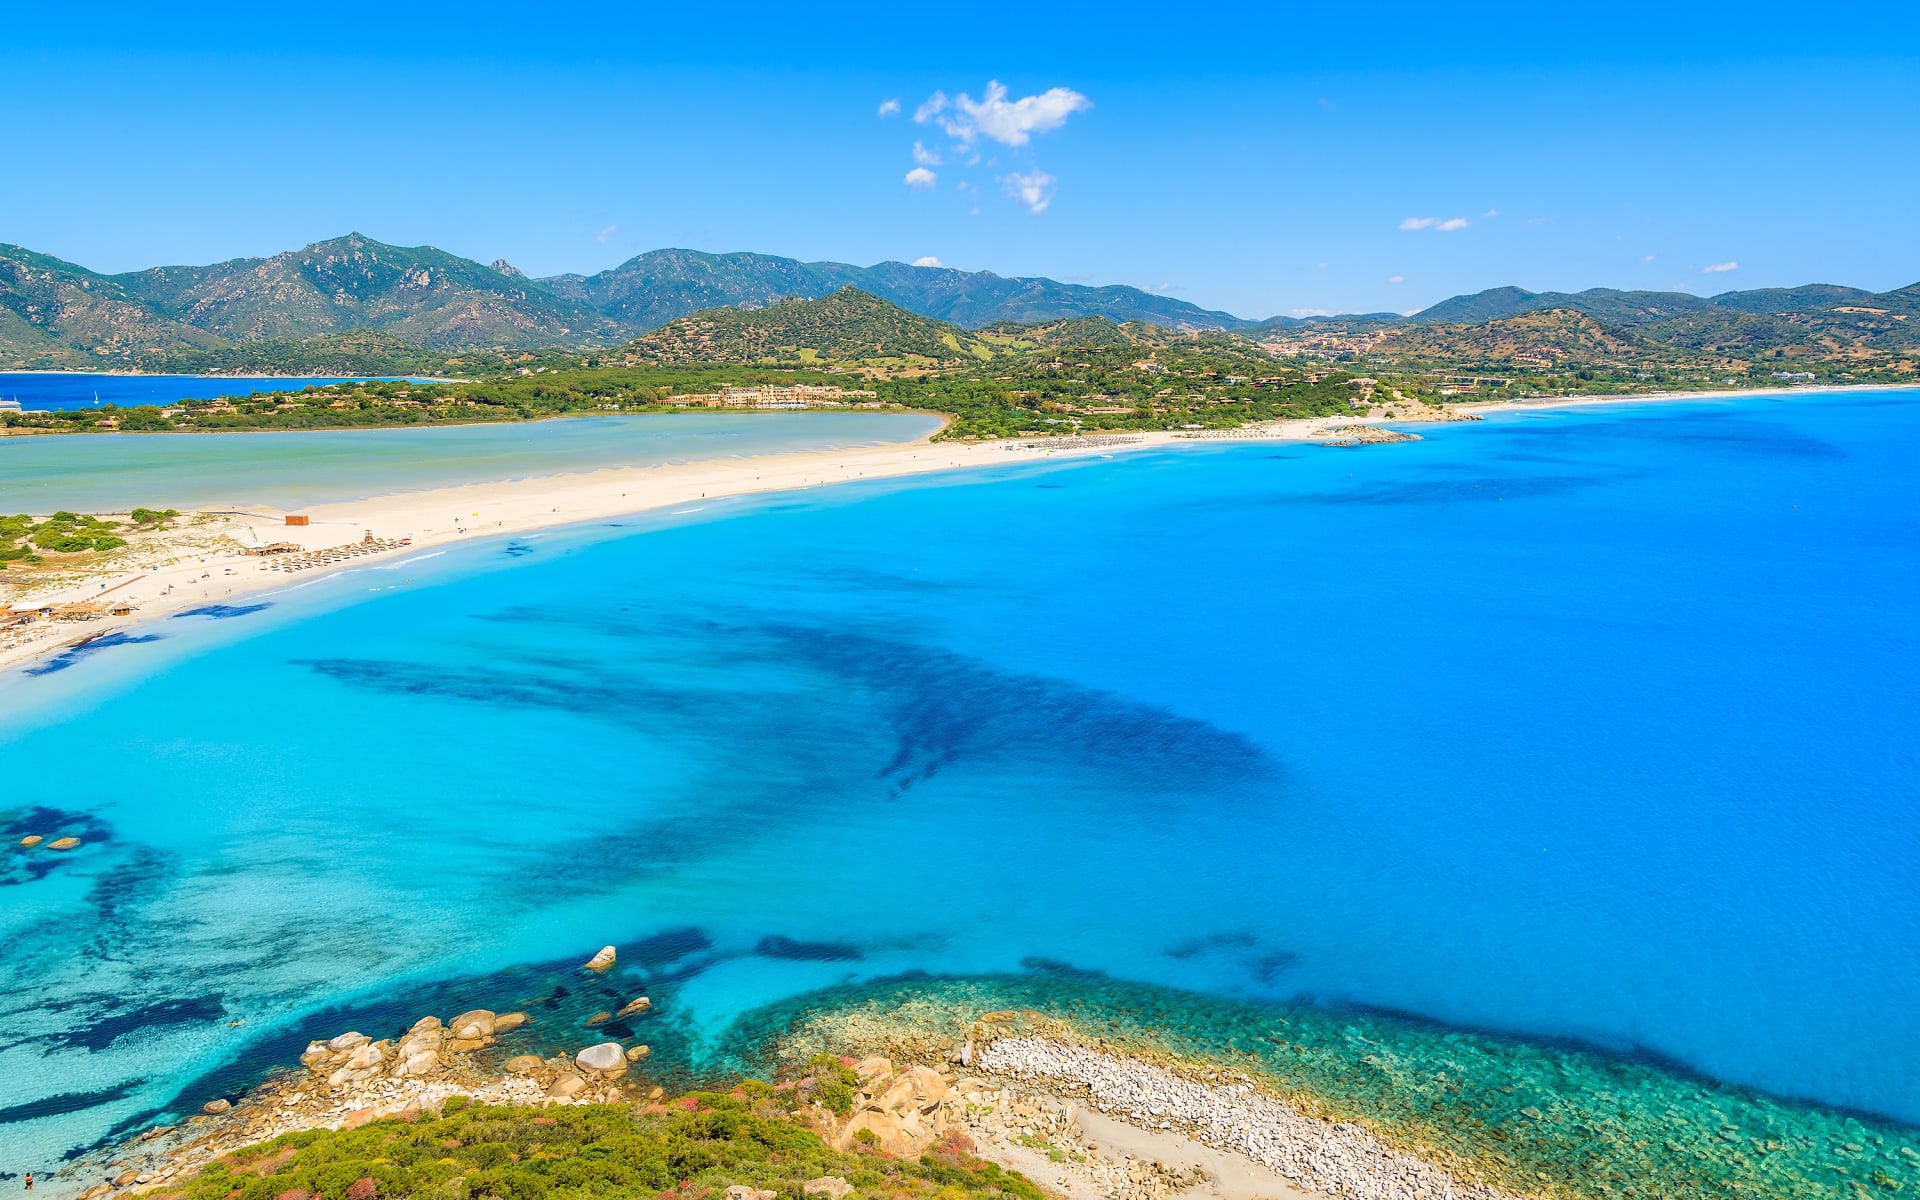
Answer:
(1486, 406)
(519, 506)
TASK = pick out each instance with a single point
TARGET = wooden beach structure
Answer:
(309, 559)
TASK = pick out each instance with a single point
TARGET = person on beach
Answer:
(29, 1180)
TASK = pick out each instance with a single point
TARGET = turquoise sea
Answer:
(1589, 731)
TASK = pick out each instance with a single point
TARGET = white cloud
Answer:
(1720, 268)
(606, 234)
(1396, 279)
(1311, 312)
(920, 178)
(933, 107)
(1646, 258)
(1034, 190)
(889, 108)
(1434, 223)
(928, 261)
(924, 156)
(1323, 266)
(1009, 122)
(1491, 213)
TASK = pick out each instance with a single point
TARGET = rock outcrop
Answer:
(896, 1111)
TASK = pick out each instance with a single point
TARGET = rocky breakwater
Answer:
(1335, 1158)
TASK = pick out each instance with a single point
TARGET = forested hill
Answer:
(847, 326)
(1642, 308)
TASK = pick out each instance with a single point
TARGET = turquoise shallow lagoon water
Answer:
(114, 472)
(1591, 725)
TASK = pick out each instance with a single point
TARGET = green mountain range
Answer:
(654, 288)
(355, 305)
(293, 309)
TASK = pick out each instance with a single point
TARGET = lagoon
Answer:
(114, 472)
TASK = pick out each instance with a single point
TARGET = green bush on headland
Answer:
(701, 1145)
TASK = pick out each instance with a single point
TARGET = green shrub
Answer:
(591, 1152)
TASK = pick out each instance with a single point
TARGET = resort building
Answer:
(770, 395)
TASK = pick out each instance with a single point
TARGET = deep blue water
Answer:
(1593, 724)
(51, 391)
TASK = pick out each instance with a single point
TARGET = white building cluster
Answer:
(772, 395)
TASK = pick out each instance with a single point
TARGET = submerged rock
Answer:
(634, 1008)
(214, 1108)
(636, 1053)
(507, 1021)
(602, 961)
(65, 843)
(32, 839)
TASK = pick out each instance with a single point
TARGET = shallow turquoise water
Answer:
(1591, 724)
(114, 472)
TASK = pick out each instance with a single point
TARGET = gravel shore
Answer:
(1338, 1159)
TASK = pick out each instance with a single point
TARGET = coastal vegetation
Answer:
(1074, 376)
(701, 1145)
(23, 539)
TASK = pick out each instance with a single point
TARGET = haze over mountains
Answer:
(345, 303)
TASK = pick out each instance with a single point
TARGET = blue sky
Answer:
(1278, 159)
